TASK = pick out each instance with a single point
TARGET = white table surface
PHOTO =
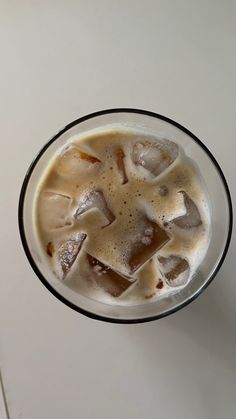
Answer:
(64, 59)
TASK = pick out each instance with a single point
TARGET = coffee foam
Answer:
(159, 198)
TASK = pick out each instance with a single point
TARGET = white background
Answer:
(60, 60)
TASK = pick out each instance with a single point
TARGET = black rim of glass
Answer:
(22, 229)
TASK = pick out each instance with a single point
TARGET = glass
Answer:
(221, 215)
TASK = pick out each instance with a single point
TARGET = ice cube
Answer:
(110, 281)
(94, 199)
(54, 210)
(155, 156)
(68, 252)
(148, 277)
(119, 154)
(175, 270)
(192, 216)
(150, 239)
(72, 161)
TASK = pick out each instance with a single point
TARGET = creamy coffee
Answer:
(122, 217)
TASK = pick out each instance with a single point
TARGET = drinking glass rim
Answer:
(22, 229)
